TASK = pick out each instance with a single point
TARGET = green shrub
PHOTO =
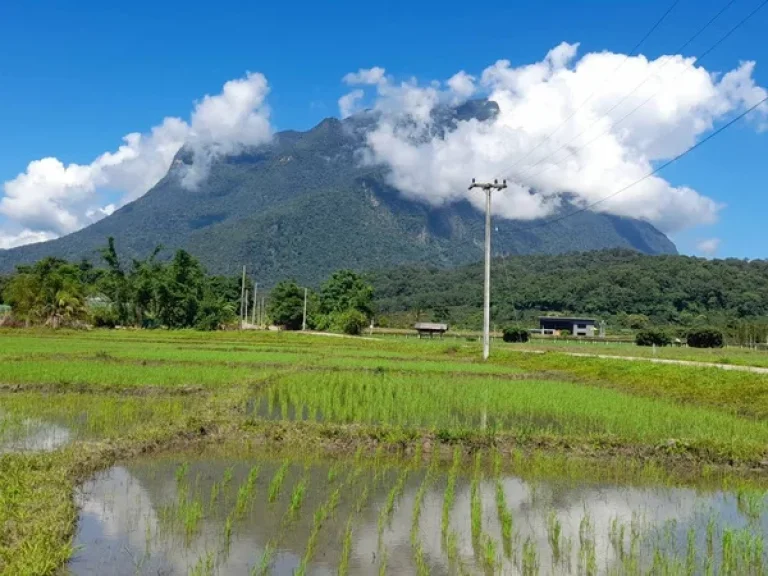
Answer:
(652, 337)
(515, 334)
(104, 316)
(705, 338)
(350, 322)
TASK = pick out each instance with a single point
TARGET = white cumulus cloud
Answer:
(567, 127)
(51, 198)
(371, 76)
(708, 246)
(350, 103)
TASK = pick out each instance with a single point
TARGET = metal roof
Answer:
(430, 326)
(567, 319)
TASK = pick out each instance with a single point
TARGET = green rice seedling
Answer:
(690, 555)
(297, 497)
(710, 540)
(181, 473)
(728, 553)
(419, 499)
(214, 497)
(554, 536)
(333, 501)
(191, 513)
(504, 514)
(476, 512)
(383, 563)
(346, 549)
(422, 569)
(227, 478)
(205, 565)
(276, 483)
(417, 456)
(395, 492)
(452, 547)
(245, 493)
(362, 500)
(228, 532)
(333, 472)
(587, 552)
(265, 562)
(530, 562)
(750, 503)
(450, 491)
(490, 556)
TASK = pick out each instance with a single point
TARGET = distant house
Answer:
(576, 326)
(430, 329)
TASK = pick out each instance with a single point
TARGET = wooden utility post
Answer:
(487, 187)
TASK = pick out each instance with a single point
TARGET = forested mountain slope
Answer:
(304, 206)
(609, 283)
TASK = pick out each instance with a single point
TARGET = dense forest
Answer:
(625, 288)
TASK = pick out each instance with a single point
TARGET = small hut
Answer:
(430, 329)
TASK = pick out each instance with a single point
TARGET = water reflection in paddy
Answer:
(155, 517)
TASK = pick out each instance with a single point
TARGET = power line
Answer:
(595, 91)
(652, 74)
(651, 173)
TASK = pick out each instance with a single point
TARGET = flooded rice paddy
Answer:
(259, 514)
(30, 435)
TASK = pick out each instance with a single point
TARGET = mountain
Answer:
(304, 205)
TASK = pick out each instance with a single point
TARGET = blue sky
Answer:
(76, 77)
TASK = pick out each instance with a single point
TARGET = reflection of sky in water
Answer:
(31, 436)
(120, 531)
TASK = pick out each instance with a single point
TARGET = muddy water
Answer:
(128, 523)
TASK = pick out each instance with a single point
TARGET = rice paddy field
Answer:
(156, 452)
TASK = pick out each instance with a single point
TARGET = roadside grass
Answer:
(734, 355)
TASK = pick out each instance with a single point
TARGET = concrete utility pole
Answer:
(253, 310)
(487, 187)
(242, 300)
(245, 316)
(304, 318)
(263, 312)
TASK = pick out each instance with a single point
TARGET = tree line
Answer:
(629, 290)
(177, 293)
